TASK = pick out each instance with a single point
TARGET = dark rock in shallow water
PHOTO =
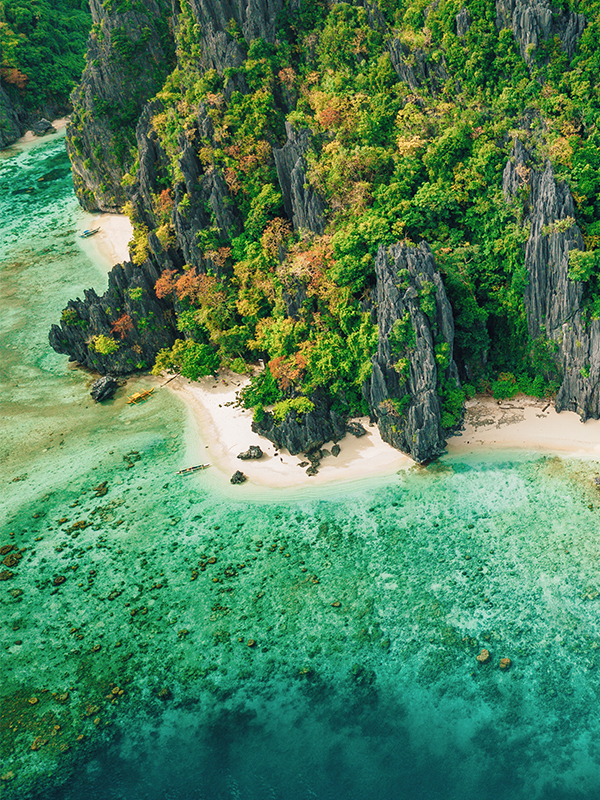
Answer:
(238, 477)
(303, 433)
(104, 388)
(416, 327)
(42, 127)
(253, 451)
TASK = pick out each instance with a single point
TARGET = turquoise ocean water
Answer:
(181, 638)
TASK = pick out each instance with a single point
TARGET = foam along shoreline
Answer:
(226, 431)
(524, 423)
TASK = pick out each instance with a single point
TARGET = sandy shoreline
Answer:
(226, 431)
(111, 242)
(524, 424)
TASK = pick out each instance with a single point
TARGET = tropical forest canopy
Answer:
(42, 47)
(393, 163)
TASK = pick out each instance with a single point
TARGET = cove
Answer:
(163, 638)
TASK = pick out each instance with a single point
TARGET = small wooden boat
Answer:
(89, 232)
(189, 470)
(138, 397)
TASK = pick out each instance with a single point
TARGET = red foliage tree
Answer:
(123, 326)
(165, 285)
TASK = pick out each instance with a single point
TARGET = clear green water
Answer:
(141, 656)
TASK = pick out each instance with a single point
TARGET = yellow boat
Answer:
(137, 397)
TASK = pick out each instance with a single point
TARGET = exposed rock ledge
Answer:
(414, 318)
(555, 303)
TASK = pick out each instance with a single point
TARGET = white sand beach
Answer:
(112, 240)
(226, 431)
(523, 423)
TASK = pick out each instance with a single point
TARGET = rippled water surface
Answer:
(181, 638)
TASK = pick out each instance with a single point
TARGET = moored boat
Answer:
(189, 470)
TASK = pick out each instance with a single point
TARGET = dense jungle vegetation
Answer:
(396, 154)
(393, 163)
(42, 47)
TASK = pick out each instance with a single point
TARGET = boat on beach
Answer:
(89, 232)
(189, 470)
(138, 397)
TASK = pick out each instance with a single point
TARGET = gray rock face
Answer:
(42, 127)
(533, 21)
(415, 68)
(253, 19)
(104, 388)
(303, 433)
(463, 22)
(253, 452)
(550, 297)
(151, 326)
(413, 315)
(302, 204)
(128, 58)
(554, 302)
(11, 127)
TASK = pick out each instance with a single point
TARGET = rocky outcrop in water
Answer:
(129, 55)
(302, 433)
(104, 388)
(123, 330)
(555, 304)
(302, 204)
(414, 359)
(535, 21)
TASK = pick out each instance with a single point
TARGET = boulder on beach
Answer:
(356, 429)
(252, 452)
(42, 127)
(238, 477)
(104, 388)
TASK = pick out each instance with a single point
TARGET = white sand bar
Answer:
(523, 423)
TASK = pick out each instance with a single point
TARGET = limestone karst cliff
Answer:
(414, 358)
(555, 303)
(130, 52)
(321, 186)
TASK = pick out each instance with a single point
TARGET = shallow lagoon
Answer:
(211, 641)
